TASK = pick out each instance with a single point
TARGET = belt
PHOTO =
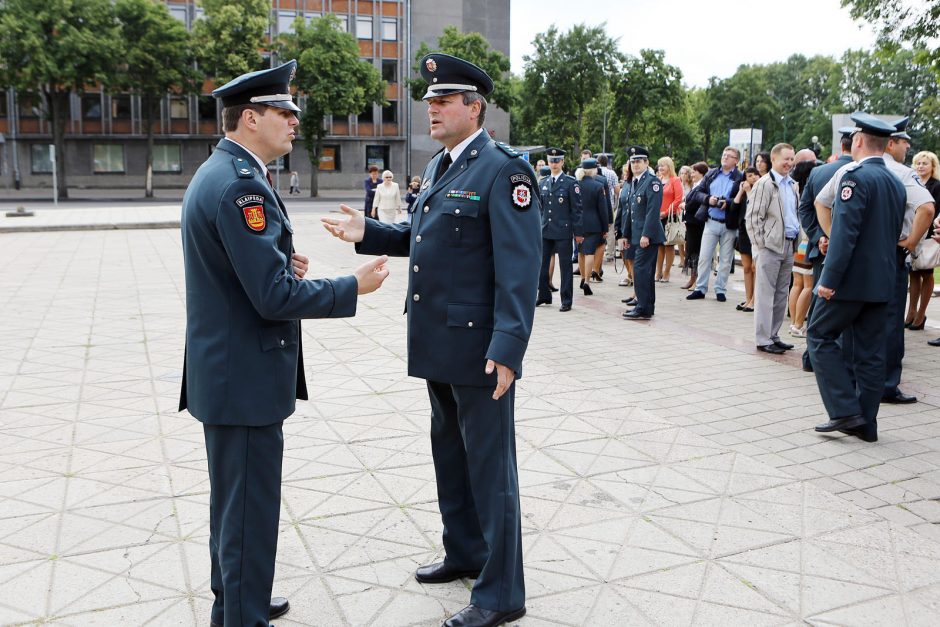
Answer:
(716, 219)
(791, 239)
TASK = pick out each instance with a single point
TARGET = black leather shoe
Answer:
(721, 298)
(565, 308)
(783, 345)
(473, 616)
(629, 302)
(543, 301)
(587, 288)
(868, 433)
(841, 424)
(633, 315)
(773, 349)
(899, 399)
(935, 342)
(695, 295)
(552, 288)
(441, 572)
(279, 607)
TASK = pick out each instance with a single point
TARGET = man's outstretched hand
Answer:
(371, 274)
(349, 228)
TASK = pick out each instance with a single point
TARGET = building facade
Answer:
(106, 142)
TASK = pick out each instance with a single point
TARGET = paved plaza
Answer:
(669, 472)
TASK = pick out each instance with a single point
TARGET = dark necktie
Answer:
(445, 163)
(267, 174)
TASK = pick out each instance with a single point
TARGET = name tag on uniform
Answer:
(462, 194)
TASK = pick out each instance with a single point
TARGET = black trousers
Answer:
(894, 341)
(817, 272)
(473, 443)
(244, 508)
(561, 247)
(644, 278)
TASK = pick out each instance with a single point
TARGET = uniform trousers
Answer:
(473, 443)
(244, 509)
(644, 278)
(817, 272)
(844, 392)
(561, 247)
(715, 234)
(771, 288)
(894, 342)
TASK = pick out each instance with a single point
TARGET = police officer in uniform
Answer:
(642, 231)
(474, 250)
(243, 370)
(817, 241)
(561, 219)
(918, 213)
(856, 285)
(596, 218)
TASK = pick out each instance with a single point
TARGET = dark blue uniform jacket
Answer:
(243, 361)
(818, 178)
(642, 215)
(475, 246)
(561, 207)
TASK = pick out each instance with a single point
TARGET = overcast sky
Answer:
(744, 32)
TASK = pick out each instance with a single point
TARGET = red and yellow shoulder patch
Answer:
(252, 206)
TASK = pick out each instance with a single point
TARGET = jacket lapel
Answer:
(462, 163)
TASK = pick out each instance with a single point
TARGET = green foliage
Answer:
(472, 47)
(331, 75)
(903, 23)
(230, 35)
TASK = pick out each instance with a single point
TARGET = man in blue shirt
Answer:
(774, 228)
(714, 194)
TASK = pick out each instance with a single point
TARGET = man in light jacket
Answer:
(773, 225)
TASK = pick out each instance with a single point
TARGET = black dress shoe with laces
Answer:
(841, 424)
(565, 308)
(279, 607)
(629, 302)
(899, 399)
(473, 616)
(635, 315)
(783, 345)
(442, 572)
(773, 349)
(543, 301)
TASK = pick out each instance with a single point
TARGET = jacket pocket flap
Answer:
(280, 336)
(470, 316)
(466, 209)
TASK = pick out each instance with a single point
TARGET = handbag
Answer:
(926, 255)
(675, 229)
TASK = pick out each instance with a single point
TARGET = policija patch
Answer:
(521, 191)
(252, 206)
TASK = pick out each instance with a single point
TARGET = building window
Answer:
(121, 107)
(166, 158)
(310, 16)
(366, 117)
(344, 23)
(364, 27)
(28, 104)
(285, 21)
(3, 104)
(377, 156)
(179, 107)
(390, 113)
(91, 106)
(180, 13)
(109, 158)
(390, 70)
(389, 29)
(207, 108)
(40, 158)
(329, 159)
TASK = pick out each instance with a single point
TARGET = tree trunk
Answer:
(148, 108)
(313, 152)
(59, 103)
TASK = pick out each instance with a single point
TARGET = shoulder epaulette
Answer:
(852, 167)
(508, 149)
(243, 169)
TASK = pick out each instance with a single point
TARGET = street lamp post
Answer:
(784, 118)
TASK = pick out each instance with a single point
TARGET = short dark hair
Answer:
(602, 160)
(874, 142)
(846, 143)
(469, 97)
(701, 167)
(800, 172)
(232, 115)
(751, 170)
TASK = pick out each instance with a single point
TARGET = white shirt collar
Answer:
(459, 148)
(261, 163)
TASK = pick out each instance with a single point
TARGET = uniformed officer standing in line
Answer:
(596, 215)
(561, 219)
(919, 212)
(243, 370)
(475, 254)
(856, 285)
(642, 231)
(817, 242)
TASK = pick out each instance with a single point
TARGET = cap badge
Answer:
(431, 64)
(293, 73)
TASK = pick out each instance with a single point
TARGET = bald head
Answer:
(805, 155)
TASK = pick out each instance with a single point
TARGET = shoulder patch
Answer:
(521, 178)
(509, 151)
(577, 189)
(243, 169)
(656, 187)
(847, 191)
(521, 194)
(252, 207)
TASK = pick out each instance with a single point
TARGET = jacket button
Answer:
(426, 209)
(416, 297)
(418, 238)
(457, 212)
(415, 268)
(283, 342)
(470, 324)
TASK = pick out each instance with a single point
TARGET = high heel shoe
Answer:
(587, 288)
(908, 323)
(918, 327)
(596, 277)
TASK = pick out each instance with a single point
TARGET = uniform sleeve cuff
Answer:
(507, 350)
(345, 297)
(374, 241)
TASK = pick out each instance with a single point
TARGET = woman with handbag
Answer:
(669, 213)
(926, 256)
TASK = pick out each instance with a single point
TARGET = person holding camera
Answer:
(714, 194)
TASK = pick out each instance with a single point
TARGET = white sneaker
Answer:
(796, 331)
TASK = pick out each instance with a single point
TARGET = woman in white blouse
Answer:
(386, 206)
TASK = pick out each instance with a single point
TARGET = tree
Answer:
(231, 35)
(563, 76)
(472, 47)
(900, 22)
(333, 78)
(54, 48)
(158, 59)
